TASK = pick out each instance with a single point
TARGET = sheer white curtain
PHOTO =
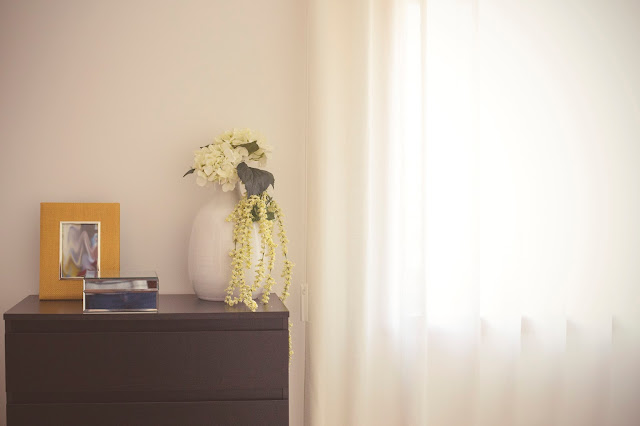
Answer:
(473, 213)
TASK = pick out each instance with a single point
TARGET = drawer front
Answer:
(236, 413)
(146, 361)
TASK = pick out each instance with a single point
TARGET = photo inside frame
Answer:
(79, 249)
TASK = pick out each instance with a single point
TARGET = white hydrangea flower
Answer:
(218, 161)
(201, 180)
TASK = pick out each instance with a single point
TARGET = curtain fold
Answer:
(473, 196)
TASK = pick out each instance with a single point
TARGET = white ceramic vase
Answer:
(210, 243)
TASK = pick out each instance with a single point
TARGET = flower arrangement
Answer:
(226, 161)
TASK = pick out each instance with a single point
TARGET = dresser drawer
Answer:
(236, 413)
(192, 363)
(146, 361)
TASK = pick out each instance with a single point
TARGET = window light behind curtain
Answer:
(474, 205)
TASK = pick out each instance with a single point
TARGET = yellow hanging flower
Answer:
(243, 217)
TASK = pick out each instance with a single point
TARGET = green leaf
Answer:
(255, 180)
(189, 172)
(251, 147)
(256, 214)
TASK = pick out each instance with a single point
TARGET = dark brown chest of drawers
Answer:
(192, 363)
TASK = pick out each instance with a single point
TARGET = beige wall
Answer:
(104, 101)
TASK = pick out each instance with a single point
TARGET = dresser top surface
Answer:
(170, 306)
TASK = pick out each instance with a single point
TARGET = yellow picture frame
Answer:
(52, 215)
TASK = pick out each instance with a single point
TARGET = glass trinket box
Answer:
(116, 291)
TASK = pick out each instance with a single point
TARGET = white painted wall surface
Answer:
(104, 101)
